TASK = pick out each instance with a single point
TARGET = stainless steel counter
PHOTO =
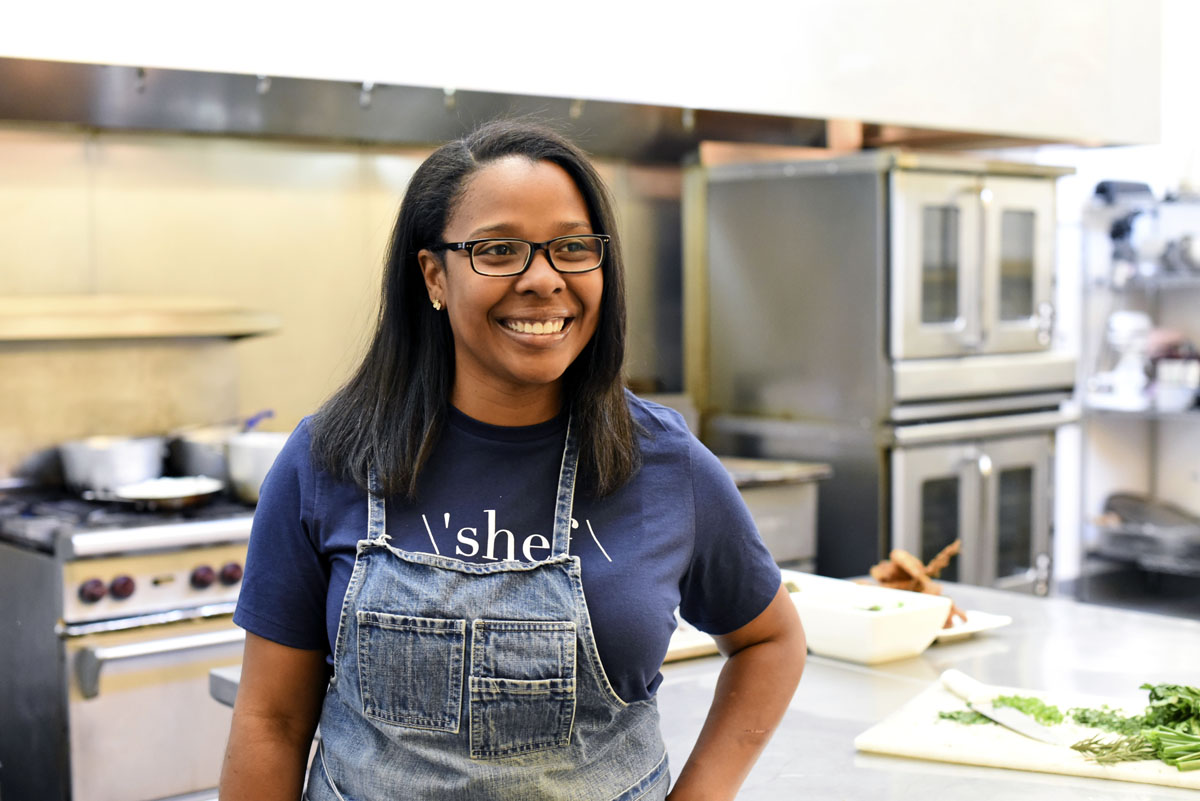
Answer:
(1053, 645)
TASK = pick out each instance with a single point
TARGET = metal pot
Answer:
(102, 464)
(250, 457)
(201, 452)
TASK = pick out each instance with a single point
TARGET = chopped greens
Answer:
(1108, 719)
(1168, 729)
(1037, 709)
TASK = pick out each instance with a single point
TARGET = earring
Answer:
(437, 305)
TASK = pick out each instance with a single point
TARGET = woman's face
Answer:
(497, 360)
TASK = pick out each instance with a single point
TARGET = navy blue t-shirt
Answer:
(677, 535)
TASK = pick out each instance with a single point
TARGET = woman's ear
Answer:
(434, 272)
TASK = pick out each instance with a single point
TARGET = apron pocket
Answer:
(410, 669)
(510, 717)
(522, 686)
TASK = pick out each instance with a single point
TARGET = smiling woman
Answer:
(516, 335)
(466, 565)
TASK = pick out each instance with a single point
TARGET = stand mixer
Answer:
(1127, 336)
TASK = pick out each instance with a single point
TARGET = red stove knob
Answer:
(231, 574)
(92, 591)
(122, 587)
(203, 577)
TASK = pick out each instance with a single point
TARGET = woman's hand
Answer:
(274, 719)
(766, 658)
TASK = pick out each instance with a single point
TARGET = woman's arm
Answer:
(765, 660)
(274, 718)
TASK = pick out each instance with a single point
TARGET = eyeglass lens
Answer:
(574, 254)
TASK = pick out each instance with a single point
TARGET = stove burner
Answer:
(36, 517)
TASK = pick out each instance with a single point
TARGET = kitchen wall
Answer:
(295, 229)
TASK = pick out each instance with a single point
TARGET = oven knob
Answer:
(122, 587)
(231, 574)
(92, 591)
(203, 577)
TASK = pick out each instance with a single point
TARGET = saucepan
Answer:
(203, 450)
(251, 455)
(102, 464)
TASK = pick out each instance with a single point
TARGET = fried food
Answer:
(903, 571)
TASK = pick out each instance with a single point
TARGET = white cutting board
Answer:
(915, 731)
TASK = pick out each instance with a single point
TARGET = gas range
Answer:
(115, 613)
(118, 561)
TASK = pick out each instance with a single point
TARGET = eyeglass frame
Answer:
(534, 247)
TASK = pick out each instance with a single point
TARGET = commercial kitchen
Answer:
(905, 319)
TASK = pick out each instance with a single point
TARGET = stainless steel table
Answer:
(1053, 644)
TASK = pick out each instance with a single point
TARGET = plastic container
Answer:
(862, 623)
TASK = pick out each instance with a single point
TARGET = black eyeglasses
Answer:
(501, 258)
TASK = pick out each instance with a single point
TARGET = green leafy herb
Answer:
(1108, 719)
(1037, 709)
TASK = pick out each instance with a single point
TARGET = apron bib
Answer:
(461, 681)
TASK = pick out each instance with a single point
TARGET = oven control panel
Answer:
(140, 584)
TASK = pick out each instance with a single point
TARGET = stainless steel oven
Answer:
(974, 264)
(890, 314)
(968, 480)
(114, 618)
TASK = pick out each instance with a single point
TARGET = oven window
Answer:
(939, 264)
(1014, 528)
(1016, 265)
(939, 520)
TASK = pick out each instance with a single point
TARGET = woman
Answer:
(465, 566)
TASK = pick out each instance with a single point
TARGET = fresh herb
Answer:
(1108, 719)
(967, 717)
(1174, 706)
(1179, 749)
(1037, 709)
(1169, 729)
(1176, 748)
(1124, 749)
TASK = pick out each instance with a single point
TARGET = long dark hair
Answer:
(391, 412)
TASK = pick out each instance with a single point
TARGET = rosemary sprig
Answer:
(1123, 749)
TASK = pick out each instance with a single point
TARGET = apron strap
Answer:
(566, 494)
(376, 512)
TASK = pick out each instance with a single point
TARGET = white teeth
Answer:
(526, 327)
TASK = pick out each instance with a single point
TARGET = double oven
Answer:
(892, 314)
(114, 616)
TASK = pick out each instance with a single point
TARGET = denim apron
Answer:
(454, 680)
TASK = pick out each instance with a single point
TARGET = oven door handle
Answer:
(89, 661)
(982, 427)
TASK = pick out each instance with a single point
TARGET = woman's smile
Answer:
(537, 326)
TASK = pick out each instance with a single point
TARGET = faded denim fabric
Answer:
(460, 681)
